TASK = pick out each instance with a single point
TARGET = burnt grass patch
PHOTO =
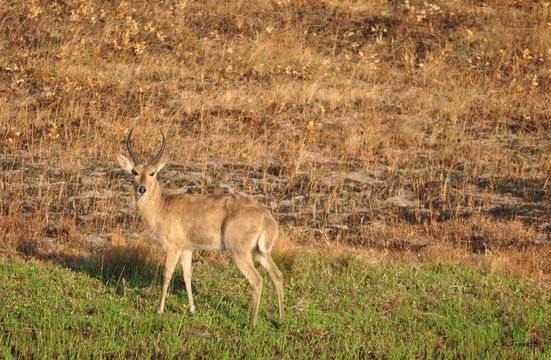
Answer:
(338, 205)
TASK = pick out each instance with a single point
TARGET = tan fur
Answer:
(183, 223)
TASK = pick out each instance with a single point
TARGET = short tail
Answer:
(269, 235)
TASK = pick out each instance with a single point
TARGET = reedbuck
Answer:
(184, 223)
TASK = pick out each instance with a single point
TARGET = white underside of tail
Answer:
(262, 243)
(261, 259)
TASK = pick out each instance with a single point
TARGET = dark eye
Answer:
(134, 172)
(152, 174)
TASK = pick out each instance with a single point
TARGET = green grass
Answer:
(335, 308)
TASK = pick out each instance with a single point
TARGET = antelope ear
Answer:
(125, 163)
(160, 164)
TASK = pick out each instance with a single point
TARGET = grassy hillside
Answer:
(395, 125)
(412, 130)
(337, 307)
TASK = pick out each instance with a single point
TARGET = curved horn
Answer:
(160, 153)
(129, 147)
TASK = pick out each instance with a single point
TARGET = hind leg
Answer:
(266, 261)
(244, 262)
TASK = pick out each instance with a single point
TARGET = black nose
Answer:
(141, 190)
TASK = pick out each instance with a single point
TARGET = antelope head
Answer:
(144, 174)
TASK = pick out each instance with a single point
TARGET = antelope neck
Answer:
(151, 206)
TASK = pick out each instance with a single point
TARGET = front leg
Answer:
(170, 263)
(185, 261)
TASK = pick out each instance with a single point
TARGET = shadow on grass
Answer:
(132, 267)
(116, 266)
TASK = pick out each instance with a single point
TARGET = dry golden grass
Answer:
(405, 126)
